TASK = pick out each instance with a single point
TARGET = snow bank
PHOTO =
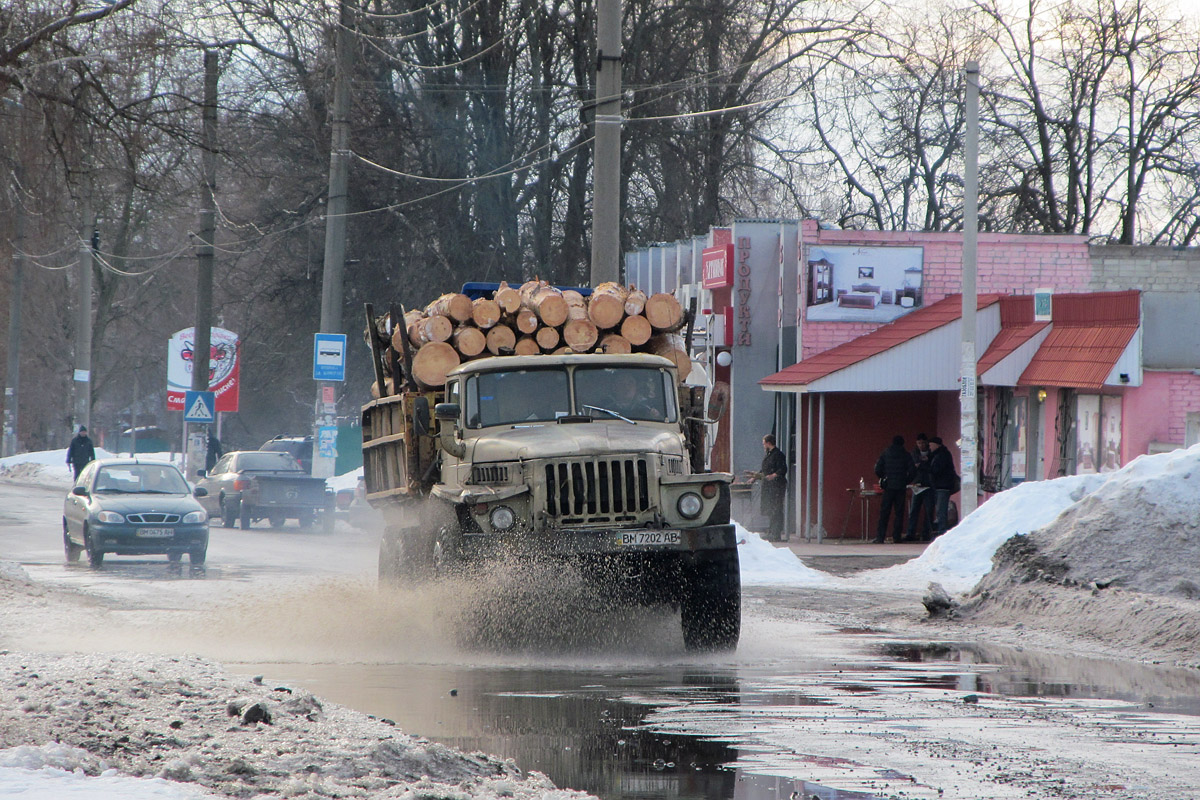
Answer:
(764, 564)
(59, 772)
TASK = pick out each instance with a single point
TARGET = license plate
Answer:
(650, 538)
(156, 533)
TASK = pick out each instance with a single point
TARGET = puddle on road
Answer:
(604, 729)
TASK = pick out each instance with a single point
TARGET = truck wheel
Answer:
(71, 549)
(711, 603)
(277, 522)
(229, 513)
(389, 559)
(328, 520)
(95, 556)
(405, 556)
(305, 519)
(244, 515)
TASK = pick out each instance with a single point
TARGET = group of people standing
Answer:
(929, 469)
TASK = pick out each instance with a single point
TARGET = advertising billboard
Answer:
(223, 367)
(863, 284)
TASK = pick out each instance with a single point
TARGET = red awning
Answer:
(1090, 333)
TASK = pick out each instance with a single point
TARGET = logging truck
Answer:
(587, 453)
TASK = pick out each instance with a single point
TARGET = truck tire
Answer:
(244, 515)
(710, 607)
(328, 520)
(405, 556)
(277, 522)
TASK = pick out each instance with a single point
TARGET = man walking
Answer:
(894, 468)
(80, 453)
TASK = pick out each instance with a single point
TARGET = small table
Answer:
(864, 504)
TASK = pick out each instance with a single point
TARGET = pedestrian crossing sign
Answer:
(199, 407)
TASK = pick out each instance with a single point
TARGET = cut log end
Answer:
(432, 362)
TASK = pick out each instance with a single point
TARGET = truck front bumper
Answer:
(619, 542)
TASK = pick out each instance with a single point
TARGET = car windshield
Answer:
(140, 479)
(518, 396)
(267, 462)
(635, 393)
(542, 395)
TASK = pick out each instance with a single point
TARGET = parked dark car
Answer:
(299, 447)
(134, 507)
(249, 485)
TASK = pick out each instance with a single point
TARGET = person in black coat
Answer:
(944, 479)
(894, 470)
(774, 487)
(923, 496)
(80, 452)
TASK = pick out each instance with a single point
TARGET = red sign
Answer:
(223, 367)
(716, 267)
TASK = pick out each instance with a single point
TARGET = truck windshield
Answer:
(634, 393)
(517, 396)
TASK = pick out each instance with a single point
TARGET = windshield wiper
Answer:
(610, 411)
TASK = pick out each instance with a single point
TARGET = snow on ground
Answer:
(764, 564)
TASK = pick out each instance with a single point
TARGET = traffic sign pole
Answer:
(329, 365)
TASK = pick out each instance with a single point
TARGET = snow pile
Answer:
(1139, 531)
(763, 564)
(183, 720)
(44, 468)
(963, 555)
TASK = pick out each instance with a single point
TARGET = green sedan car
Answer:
(133, 507)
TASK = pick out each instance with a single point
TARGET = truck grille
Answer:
(597, 490)
(492, 473)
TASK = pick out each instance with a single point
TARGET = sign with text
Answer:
(223, 367)
(329, 356)
(716, 267)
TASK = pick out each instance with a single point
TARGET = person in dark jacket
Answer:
(774, 487)
(894, 470)
(214, 451)
(944, 480)
(923, 497)
(81, 452)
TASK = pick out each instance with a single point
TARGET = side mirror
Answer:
(447, 415)
(80, 491)
(200, 491)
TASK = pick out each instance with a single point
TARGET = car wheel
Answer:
(277, 522)
(95, 555)
(244, 515)
(71, 549)
(229, 513)
(174, 558)
(196, 557)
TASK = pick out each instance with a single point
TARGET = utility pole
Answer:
(606, 163)
(83, 320)
(12, 374)
(325, 410)
(197, 433)
(967, 387)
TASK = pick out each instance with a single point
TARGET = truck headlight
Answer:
(502, 518)
(193, 517)
(109, 516)
(690, 505)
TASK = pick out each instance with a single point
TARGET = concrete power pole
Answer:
(197, 434)
(12, 374)
(83, 322)
(606, 166)
(325, 415)
(967, 389)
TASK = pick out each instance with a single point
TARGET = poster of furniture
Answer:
(863, 284)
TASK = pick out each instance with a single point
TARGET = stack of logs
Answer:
(537, 318)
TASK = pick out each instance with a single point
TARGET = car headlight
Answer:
(109, 516)
(193, 517)
(502, 518)
(690, 505)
